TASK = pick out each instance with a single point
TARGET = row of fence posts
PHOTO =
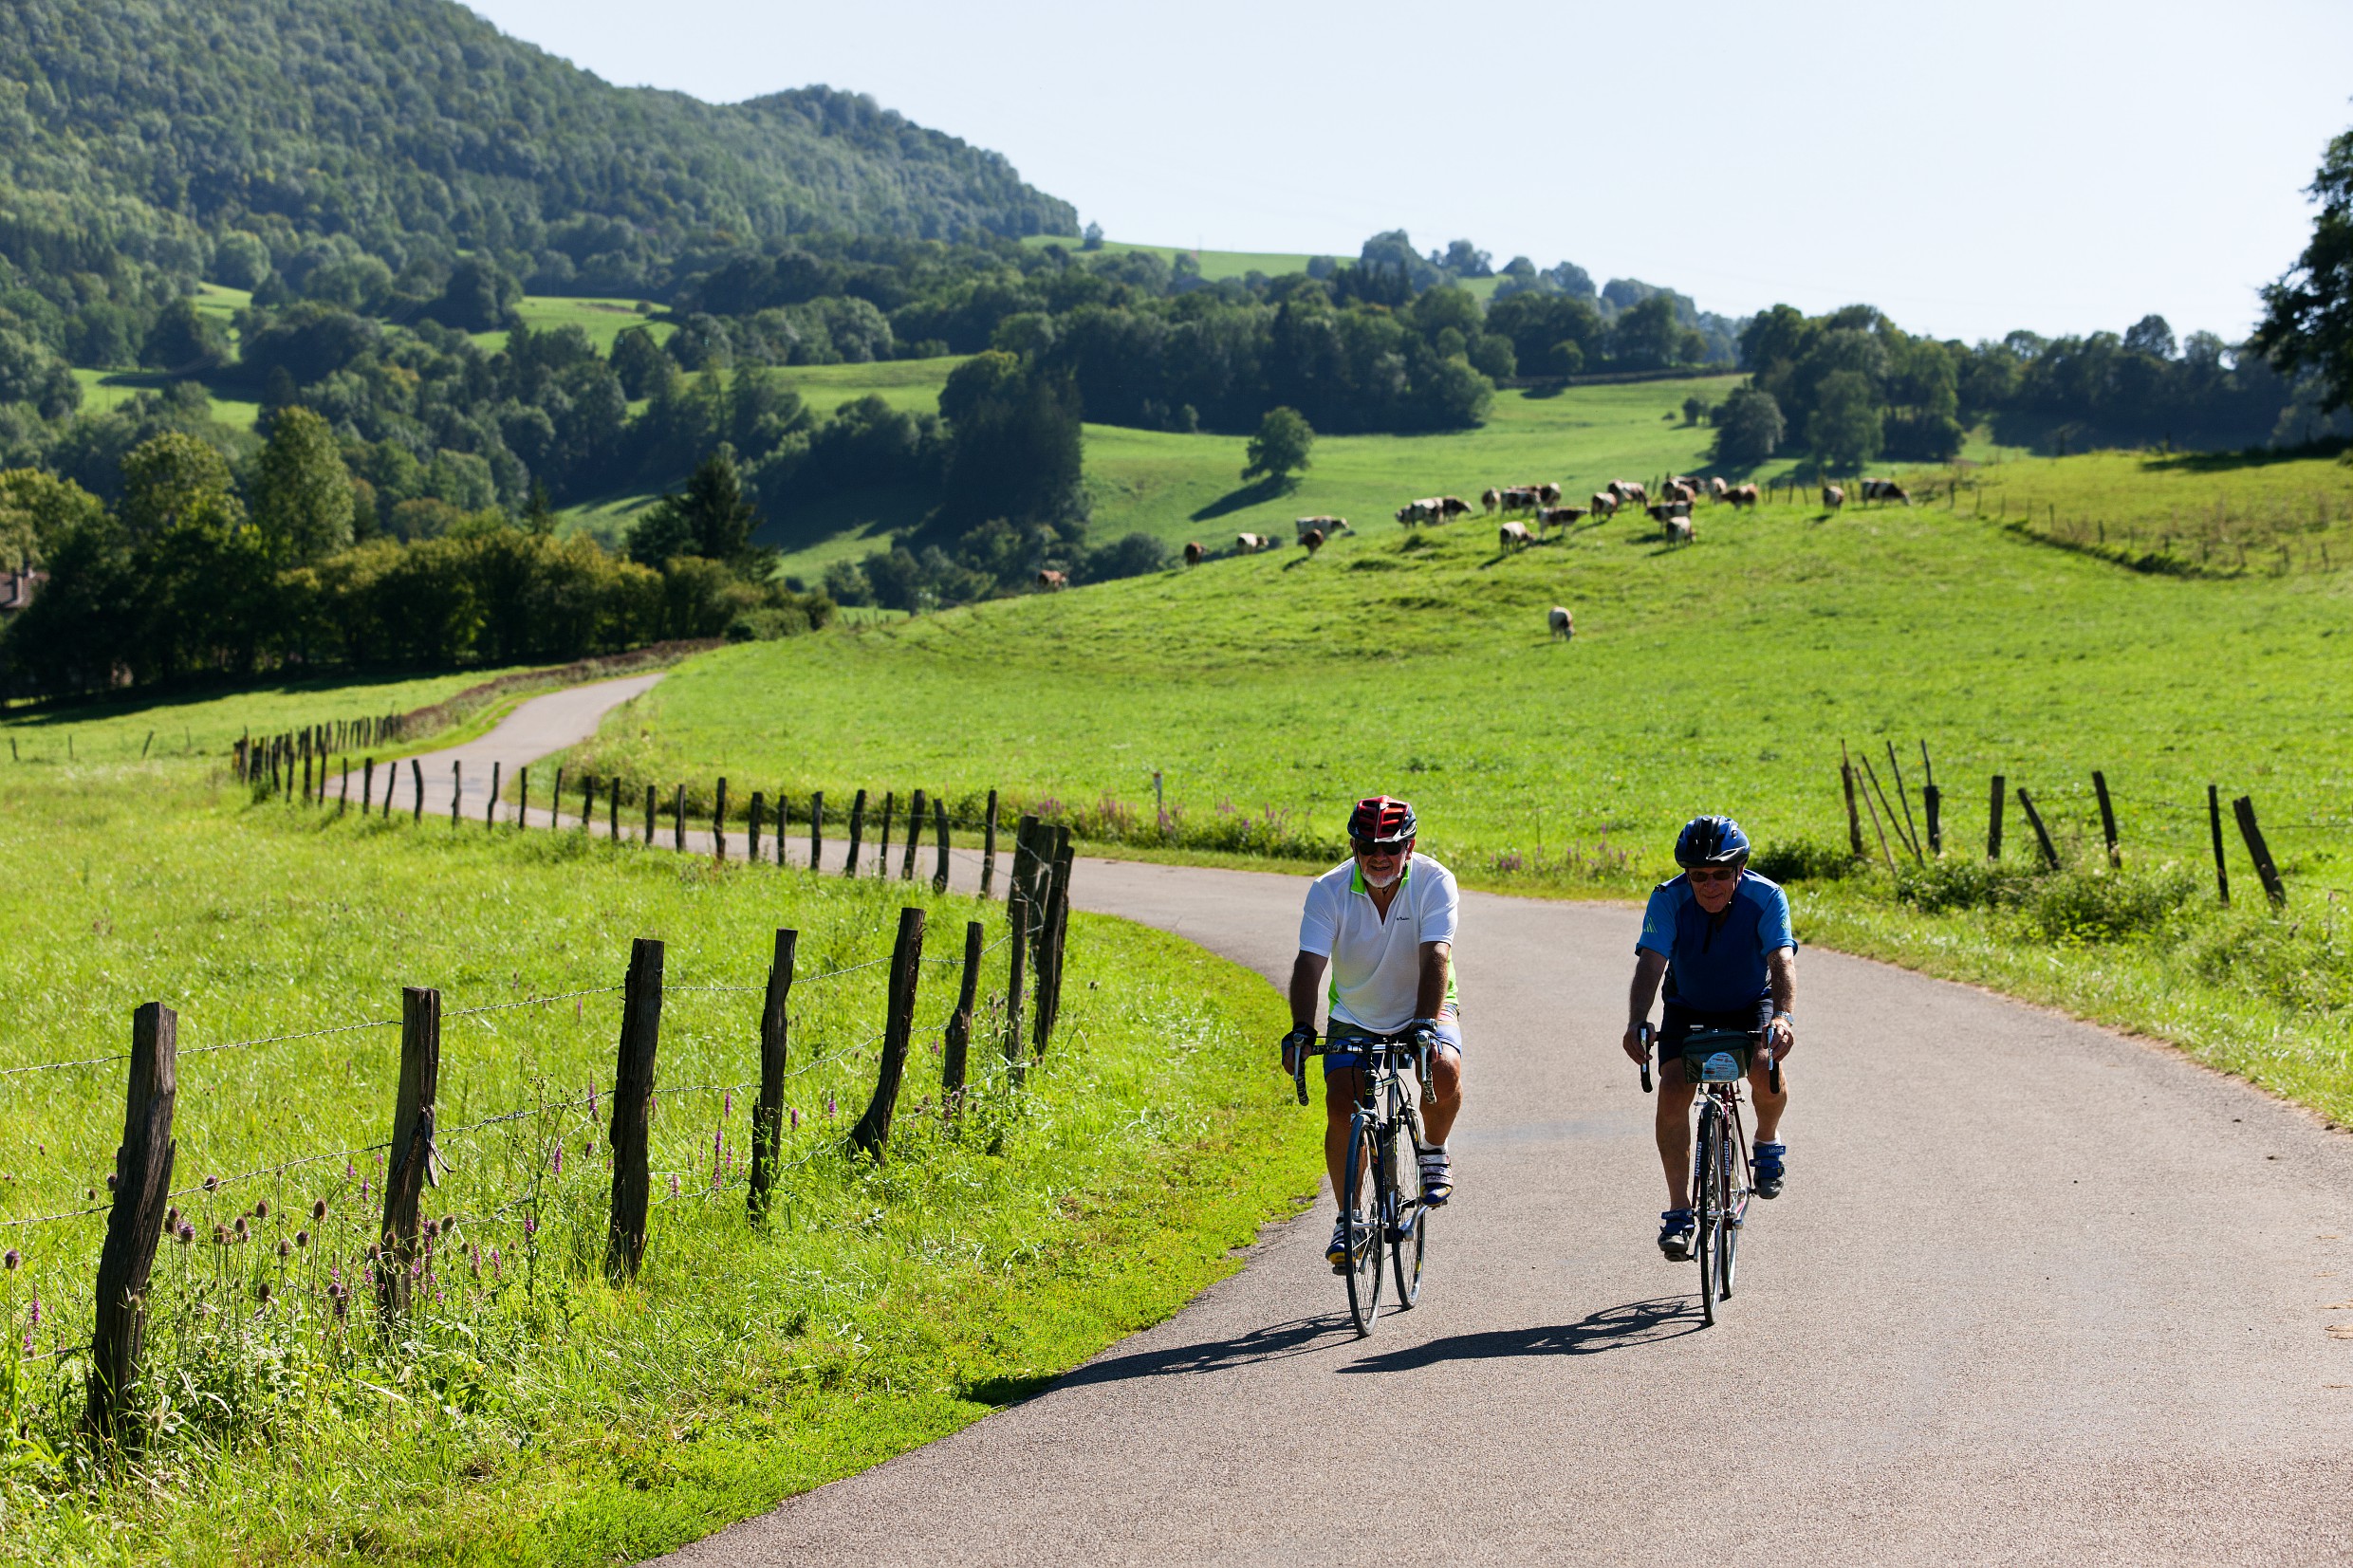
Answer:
(1858, 778)
(1039, 911)
(274, 757)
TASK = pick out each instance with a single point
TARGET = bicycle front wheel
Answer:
(1707, 1205)
(1735, 1213)
(1360, 1204)
(1409, 1234)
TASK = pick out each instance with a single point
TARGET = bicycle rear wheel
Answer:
(1360, 1204)
(1410, 1233)
(1735, 1214)
(1707, 1209)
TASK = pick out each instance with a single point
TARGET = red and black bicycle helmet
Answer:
(1380, 819)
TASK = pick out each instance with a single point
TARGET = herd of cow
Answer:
(1540, 504)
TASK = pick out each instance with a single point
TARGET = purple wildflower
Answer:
(559, 1163)
(795, 1111)
(186, 1233)
(493, 1263)
(674, 1185)
(261, 1209)
(212, 1184)
(728, 1107)
(301, 1238)
(10, 1260)
(286, 1249)
(264, 1292)
(317, 1209)
(530, 1225)
(36, 1306)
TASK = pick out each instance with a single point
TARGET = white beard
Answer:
(1382, 887)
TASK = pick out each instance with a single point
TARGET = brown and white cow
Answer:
(1251, 544)
(1194, 552)
(1564, 624)
(1050, 579)
(1548, 495)
(1680, 530)
(1513, 536)
(1414, 512)
(1833, 497)
(1716, 487)
(1742, 495)
(1604, 504)
(1490, 498)
(1630, 491)
(1559, 517)
(1311, 540)
(1451, 507)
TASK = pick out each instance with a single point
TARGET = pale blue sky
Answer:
(2062, 167)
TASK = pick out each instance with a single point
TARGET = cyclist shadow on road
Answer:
(1276, 1343)
(1612, 1328)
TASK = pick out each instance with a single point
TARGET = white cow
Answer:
(1564, 624)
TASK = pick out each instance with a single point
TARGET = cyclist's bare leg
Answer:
(1443, 1102)
(1768, 1104)
(1675, 1150)
(1341, 1088)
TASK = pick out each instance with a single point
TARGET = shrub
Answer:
(1804, 860)
(767, 625)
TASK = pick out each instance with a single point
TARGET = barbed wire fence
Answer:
(439, 1215)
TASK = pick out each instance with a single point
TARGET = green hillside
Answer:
(414, 127)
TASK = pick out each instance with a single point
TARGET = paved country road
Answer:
(2036, 1293)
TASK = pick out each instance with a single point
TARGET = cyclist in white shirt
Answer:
(1384, 924)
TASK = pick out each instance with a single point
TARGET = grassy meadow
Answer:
(1269, 691)
(526, 1412)
(602, 319)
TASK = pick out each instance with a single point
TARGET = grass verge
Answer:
(531, 1413)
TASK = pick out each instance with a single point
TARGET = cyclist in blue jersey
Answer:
(1719, 936)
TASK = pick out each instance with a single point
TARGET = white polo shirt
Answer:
(1376, 964)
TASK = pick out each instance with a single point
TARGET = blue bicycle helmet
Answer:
(1711, 841)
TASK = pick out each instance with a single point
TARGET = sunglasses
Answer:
(1713, 874)
(1381, 850)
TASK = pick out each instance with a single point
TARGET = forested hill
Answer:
(167, 129)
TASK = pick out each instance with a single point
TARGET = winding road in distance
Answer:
(2036, 1293)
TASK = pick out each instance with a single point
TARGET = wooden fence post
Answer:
(367, 786)
(555, 801)
(134, 1224)
(416, 780)
(914, 836)
(718, 821)
(2042, 834)
(1911, 828)
(648, 840)
(784, 820)
(490, 807)
(2214, 820)
(1932, 802)
(1016, 981)
(752, 830)
(1886, 853)
(768, 1115)
(858, 828)
(457, 788)
(612, 813)
(883, 846)
(2259, 852)
(408, 1160)
(1050, 945)
(1994, 818)
(988, 847)
(939, 825)
(817, 828)
(677, 819)
(342, 789)
(1854, 819)
(633, 1109)
(959, 1034)
(2107, 816)
(523, 796)
(587, 805)
(872, 1136)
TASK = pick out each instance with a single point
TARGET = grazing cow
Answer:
(1194, 552)
(1548, 495)
(1604, 504)
(1678, 493)
(1716, 487)
(1680, 532)
(1833, 497)
(1564, 624)
(1451, 507)
(1414, 512)
(1053, 580)
(1630, 491)
(1741, 495)
(1512, 536)
(1311, 540)
(1663, 510)
(1490, 498)
(1251, 544)
(1559, 517)
(1890, 491)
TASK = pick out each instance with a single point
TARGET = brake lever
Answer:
(1645, 1033)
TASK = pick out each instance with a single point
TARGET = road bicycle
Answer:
(1717, 1061)
(1382, 1198)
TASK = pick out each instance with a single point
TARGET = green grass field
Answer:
(530, 1411)
(602, 319)
(104, 391)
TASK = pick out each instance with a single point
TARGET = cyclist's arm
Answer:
(1781, 965)
(1649, 968)
(1307, 988)
(1437, 959)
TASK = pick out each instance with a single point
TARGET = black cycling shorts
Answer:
(1679, 1021)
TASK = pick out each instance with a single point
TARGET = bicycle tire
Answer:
(1705, 1214)
(1735, 1216)
(1409, 1236)
(1360, 1205)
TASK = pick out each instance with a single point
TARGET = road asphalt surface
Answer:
(2036, 1293)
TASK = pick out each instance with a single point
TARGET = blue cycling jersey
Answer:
(1718, 961)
